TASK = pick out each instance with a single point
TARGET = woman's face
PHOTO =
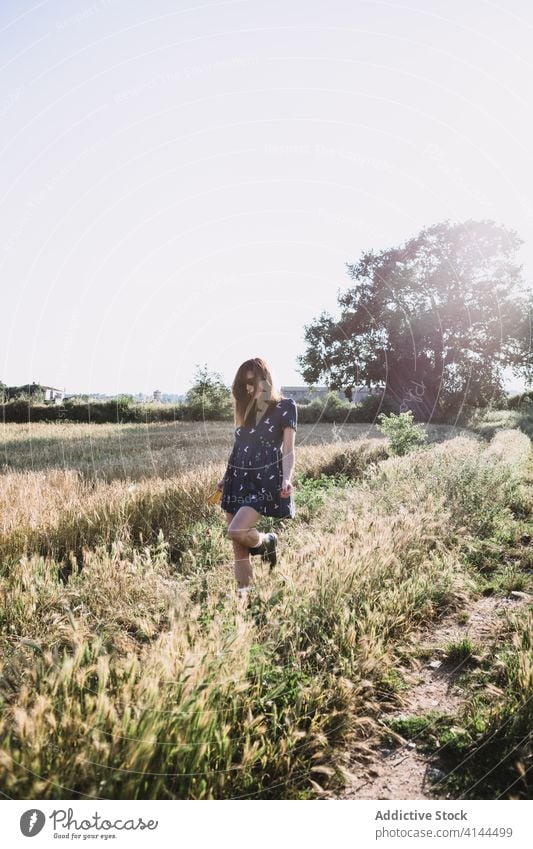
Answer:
(256, 392)
(250, 384)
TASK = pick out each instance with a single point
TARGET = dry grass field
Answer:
(129, 669)
(120, 452)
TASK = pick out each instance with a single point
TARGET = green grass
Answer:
(460, 650)
(420, 726)
(311, 492)
(463, 617)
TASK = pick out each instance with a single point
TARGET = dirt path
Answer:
(402, 772)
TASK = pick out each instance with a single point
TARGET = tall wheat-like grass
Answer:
(133, 452)
(59, 513)
(135, 681)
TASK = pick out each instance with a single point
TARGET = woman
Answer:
(258, 477)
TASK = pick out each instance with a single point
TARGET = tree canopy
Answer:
(209, 391)
(435, 320)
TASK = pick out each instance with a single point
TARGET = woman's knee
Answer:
(236, 534)
(242, 522)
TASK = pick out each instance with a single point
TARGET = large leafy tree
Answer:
(435, 320)
(208, 391)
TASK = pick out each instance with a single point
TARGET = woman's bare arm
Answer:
(288, 453)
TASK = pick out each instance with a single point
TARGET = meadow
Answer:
(137, 451)
(130, 670)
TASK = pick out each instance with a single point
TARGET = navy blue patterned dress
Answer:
(254, 474)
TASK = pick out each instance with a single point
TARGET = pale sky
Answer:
(183, 182)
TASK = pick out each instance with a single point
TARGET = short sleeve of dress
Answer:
(289, 415)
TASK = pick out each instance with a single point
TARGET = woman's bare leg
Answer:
(244, 536)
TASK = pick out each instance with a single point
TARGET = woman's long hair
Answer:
(246, 407)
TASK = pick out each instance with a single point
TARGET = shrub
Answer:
(332, 409)
(368, 409)
(525, 399)
(402, 432)
(329, 409)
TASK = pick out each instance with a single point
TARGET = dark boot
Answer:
(270, 554)
(257, 549)
(267, 549)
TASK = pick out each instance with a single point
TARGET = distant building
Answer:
(53, 396)
(362, 392)
(308, 393)
(157, 396)
(170, 398)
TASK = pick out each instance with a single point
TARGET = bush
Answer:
(402, 432)
(332, 409)
(368, 410)
(115, 410)
(329, 409)
(515, 402)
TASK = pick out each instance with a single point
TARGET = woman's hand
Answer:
(287, 488)
(220, 484)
